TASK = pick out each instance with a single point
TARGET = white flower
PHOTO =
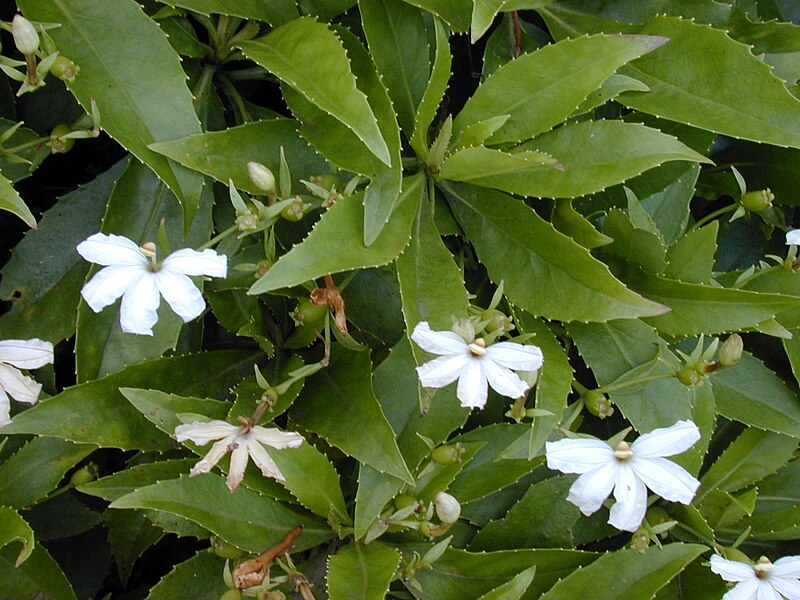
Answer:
(22, 354)
(474, 365)
(628, 470)
(763, 581)
(133, 273)
(241, 441)
(793, 237)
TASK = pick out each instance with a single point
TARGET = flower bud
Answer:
(83, 475)
(307, 313)
(496, 320)
(64, 69)
(640, 540)
(261, 177)
(223, 549)
(294, 211)
(757, 201)
(25, 36)
(598, 404)
(58, 143)
(465, 329)
(232, 594)
(688, 376)
(447, 508)
(446, 455)
(731, 350)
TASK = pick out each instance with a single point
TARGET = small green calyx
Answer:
(85, 474)
(58, 143)
(640, 540)
(447, 455)
(598, 404)
(308, 313)
(689, 376)
(64, 69)
(757, 201)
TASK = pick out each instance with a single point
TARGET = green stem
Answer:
(203, 84)
(624, 384)
(712, 216)
(25, 146)
(249, 73)
(233, 95)
(219, 237)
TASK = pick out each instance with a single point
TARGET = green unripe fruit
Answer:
(758, 200)
(64, 69)
(231, 595)
(496, 320)
(446, 455)
(688, 377)
(294, 211)
(598, 404)
(640, 540)
(307, 313)
(224, 550)
(58, 143)
(83, 475)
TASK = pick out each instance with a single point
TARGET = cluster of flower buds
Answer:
(700, 364)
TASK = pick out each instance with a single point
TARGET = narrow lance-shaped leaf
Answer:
(358, 572)
(541, 89)
(10, 200)
(135, 107)
(274, 12)
(484, 12)
(454, 12)
(309, 56)
(434, 92)
(509, 238)
(13, 528)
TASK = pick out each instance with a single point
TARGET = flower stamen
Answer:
(623, 451)
(478, 347)
(763, 567)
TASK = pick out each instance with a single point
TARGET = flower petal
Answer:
(670, 481)
(519, 357)
(218, 450)
(667, 441)
(111, 250)
(502, 380)
(181, 294)
(731, 570)
(238, 462)
(579, 455)
(26, 354)
(109, 284)
(793, 236)
(788, 566)
(5, 408)
(472, 390)
(191, 262)
(591, 488)
(138, 311)
(630, 494)
(202, 433)
(747, 590)
(788, 587)
(767, 592)
(264, 461)
(443, 371)
(275, 437)
(438, 342)
(20, 387)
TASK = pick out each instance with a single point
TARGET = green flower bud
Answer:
(83, 475)
(598, 404)
(232, 594)
(58, 143)
(223, 549)
(307, 313)
(446, 455)
(688, 376)
(261, 177)
(731, 350)
(294, 211)
(25, 36)
(64, 69)
(447, 508)
(757, 201)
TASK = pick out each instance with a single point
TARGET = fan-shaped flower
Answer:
(627, 470)
(763, 581)
(16, 355)
(241, 441)
(793, 237)
(474, 365)
(131, 272)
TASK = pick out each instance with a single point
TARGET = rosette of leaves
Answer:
(579, 152)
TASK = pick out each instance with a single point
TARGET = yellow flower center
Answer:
(478, 347)
(623, 451)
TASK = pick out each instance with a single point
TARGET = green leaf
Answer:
(309, 56)
(541, 89)
(633, 244)
(434, 92)
(513, 589)
(136, 108)
(750, 457)
(696, 309)
(484, 12)
(627, 573)
(224, 154)
(347, 384)
(62, 516)
(161, 409)
(114, 486)
(135, 209)
(13, 528)
(199, 578)
(336, 242)
(454, 12)
(45, 274)
(36, 469)
(594, 155)
(243, 518)
(398, 43)
(479, 162)
(510, 238)
(691, 257)
(570, 222)
(97, 413)
(611, 88)
(358, 572)
(10, 200)
(541, 519)
(708, 93)
(130, 534)
(39, 574)
(275, 12)
(459, 574)
(752, 394)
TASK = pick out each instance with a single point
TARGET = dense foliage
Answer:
(385, 210)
